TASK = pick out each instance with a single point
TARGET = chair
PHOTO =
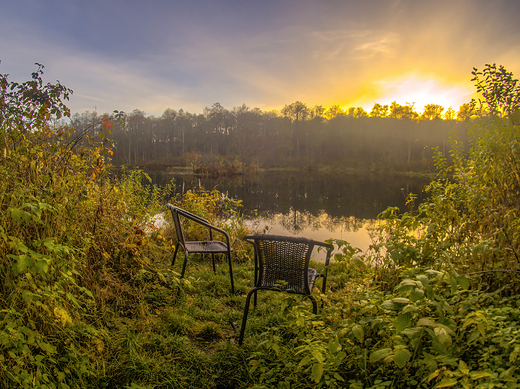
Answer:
(282, 264)
(207, 246)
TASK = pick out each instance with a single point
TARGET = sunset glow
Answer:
(190, 55)
(422, 91)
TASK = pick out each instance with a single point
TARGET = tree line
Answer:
(390, 136)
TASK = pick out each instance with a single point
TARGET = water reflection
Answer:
(311, 204)
(321, 227)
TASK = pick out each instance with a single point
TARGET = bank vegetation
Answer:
(88, 298)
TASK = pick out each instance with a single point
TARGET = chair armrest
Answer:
(249, 238)
(201, 221)
(329, 248)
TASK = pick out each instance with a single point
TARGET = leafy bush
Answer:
(72, 245)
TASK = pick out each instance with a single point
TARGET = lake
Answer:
(311, 204)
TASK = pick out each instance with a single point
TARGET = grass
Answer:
(188, 335)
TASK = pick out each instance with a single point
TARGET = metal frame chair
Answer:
(204, 247)
(282, 264)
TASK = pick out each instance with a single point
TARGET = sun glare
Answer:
(423, 91)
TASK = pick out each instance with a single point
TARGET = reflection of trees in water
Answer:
(347, 223)
(296, 221)
(361, 195)
(295, 195)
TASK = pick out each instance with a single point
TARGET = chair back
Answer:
(177, 223)
(283, 262)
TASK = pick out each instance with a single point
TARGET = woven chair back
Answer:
(284, 262)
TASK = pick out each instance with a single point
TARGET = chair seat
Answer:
(207, 246)
(288, 279)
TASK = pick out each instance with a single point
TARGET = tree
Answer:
(380, 111)
(317, 111)
(167, 131)
(333, 112)
(465, 112)
(297, 111)
(449, 114)
(407, 111)
(360, 113)
(432, 111)
(136, 136)
(29, 105)
(499, 89)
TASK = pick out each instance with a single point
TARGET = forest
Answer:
(391, 137)
(89, 297)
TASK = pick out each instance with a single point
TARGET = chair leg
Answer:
(231, 274)
(175, 253)
(184, 264)
(314, 304)
(324, 283)
(244, 317)
(213, 261)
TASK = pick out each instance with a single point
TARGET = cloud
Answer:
(159, 54)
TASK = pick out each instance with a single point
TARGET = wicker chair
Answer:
(282, 264)
(203, 247)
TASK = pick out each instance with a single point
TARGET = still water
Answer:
(310, 204)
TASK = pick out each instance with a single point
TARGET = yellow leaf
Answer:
(63, 315)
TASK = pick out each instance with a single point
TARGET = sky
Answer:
(190, 54)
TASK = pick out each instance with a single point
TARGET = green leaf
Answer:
(407, 285)
(42, 267)
(27, 296)
(358, 332)
(442, 336)
(380, 354)
(454, 284)
(18, 214)
(477, 375)
(16, 244)
(305, 361)
(434, 272)
(24, 262)
(417, 294)
(334, 345)
(413, 332)
(401, 357)
(47, 347)
(389, 305)
(317, 372)
(514, 355)
(318, 356)
(463, 367)
(474, 336)
(403, 321)
(426, 322)
(447, 383)
(463, 282)
(423, 279)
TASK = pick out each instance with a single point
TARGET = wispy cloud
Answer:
(352, 44)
